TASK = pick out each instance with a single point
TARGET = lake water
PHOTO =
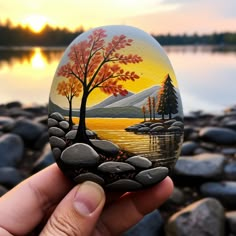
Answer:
(206, 76)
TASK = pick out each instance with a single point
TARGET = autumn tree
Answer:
(97, 63)
(167, 99)
(69, 89)
(149, 105)
(144, 110)
(153, 100)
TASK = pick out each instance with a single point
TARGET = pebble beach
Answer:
(204, 175)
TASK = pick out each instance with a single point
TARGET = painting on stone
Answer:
(115, 111)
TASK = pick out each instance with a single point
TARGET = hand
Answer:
(47, 204)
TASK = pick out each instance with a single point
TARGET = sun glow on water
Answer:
(38, 61)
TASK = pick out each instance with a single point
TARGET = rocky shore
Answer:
(204, 199)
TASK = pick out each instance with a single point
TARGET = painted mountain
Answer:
(128, 106)
(112, 99)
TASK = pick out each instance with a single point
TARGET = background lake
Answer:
(206, 75)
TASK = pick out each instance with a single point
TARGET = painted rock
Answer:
(115, 112)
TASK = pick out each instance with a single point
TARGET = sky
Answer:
(153, 16)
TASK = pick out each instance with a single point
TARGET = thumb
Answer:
(77, 213)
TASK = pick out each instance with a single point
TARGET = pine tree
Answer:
(167, 99)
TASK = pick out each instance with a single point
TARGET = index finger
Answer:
(25, 206)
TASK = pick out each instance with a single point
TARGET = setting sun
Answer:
(36, 22)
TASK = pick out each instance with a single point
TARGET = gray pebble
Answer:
(106, 146)
(152, 176)
(56, 152)
(144, 129)
(57, 116)
(157, 128)
(64, 124)
(80, 154)
(71, 134)
(55, 131)
(139, 161)
(89, 177)
(115, 167)
(57, 142)
(124, 185)
(52, 122)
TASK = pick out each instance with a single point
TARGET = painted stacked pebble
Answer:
(115, 112)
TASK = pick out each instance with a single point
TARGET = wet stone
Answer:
(152, 176)
(64, 124)
(106, 146)
(80, 154)
(54, 131)
(52, 122)
(124, 184)
(89, 177)
(139, 161)
(115, 167)
(57, 116)
(57, 142)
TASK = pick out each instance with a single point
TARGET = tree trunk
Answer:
(81, 135)
(70, 113)
(144, 116)
(170, 117)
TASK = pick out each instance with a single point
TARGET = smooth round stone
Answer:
(155, 124)
(115, 167)
(218, 135)
(157, 128)
(57, 116)
(188, 148)
(56, 152)
(106, 146)
(11, 150)
(109, 117)
(174, 128)
(124, 184)
(89, 177)
(80, 154)
(178, 124)
(71, 134)
(224, 191)
(139, 161)
(57, 142)
(64, 124)
(144, 129)
(28, 130)
(52, 122)
(169, 122)
(54, 131)
(152, 176)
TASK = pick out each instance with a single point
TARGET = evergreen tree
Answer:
(167, 99)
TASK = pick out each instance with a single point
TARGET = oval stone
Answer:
(114, 108)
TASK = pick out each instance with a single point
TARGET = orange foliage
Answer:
(96, 63)
(70, 88)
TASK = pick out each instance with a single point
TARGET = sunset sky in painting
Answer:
(153, 16)
(152, 70)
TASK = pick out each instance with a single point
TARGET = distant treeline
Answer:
(50, 36)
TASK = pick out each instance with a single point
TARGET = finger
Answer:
(25, 206)
(132, 207)
(78, 212)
